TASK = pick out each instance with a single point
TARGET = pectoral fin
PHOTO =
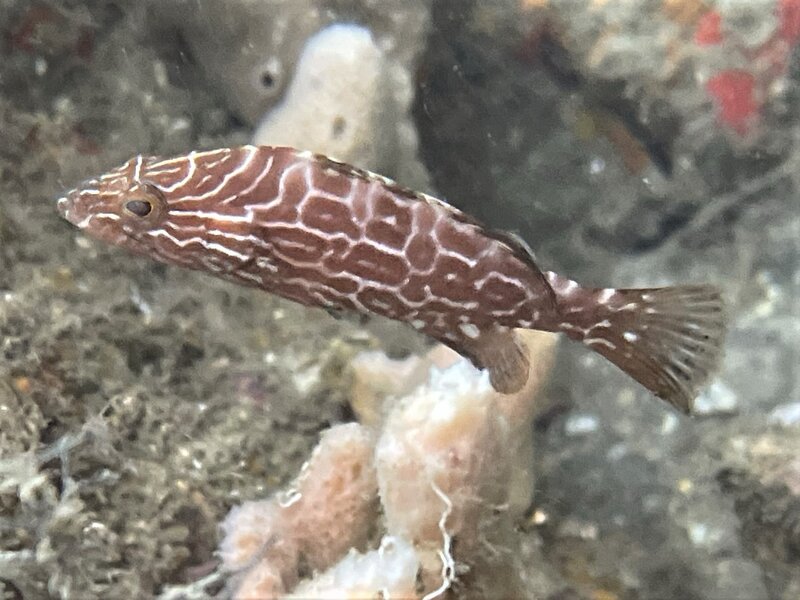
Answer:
(504, 356)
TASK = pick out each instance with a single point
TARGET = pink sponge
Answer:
(328, 510)
(440, 453)
(335, 496)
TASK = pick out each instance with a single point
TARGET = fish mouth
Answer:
(72, 208)
(63, 204)
(68, 208)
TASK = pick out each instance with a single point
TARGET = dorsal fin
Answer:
(523, 252)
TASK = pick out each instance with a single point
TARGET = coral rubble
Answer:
(441, 468)
(633, 143)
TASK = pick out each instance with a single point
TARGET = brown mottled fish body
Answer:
(326, 234)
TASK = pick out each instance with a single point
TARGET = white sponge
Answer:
(350, 101)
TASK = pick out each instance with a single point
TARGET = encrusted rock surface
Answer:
(138, 403)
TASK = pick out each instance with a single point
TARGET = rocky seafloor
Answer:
(637, 143)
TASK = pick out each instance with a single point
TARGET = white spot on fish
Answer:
(600, 342)
(581, 424)
(630, 336)
(470, 330)
(606, 295)
(63, 207)
(570, 287)
(306, 154)
(263, 262)
(418, 324)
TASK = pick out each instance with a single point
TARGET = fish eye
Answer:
(140, 207)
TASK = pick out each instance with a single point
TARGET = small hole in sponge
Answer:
(267, 80)
(339, 125)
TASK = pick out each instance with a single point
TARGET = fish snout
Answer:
(62, 204)
(72, 207)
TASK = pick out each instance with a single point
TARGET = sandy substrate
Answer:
(138, 403)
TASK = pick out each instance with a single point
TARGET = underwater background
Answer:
(633, 144)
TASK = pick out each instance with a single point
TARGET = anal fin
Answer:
(504, 356)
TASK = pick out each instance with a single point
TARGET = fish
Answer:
(330, 235)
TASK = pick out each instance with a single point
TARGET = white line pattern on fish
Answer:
(328, 234)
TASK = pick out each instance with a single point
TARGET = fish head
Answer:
(119, 207)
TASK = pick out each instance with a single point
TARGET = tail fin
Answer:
(668, 339)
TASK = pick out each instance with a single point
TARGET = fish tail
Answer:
(668, 339)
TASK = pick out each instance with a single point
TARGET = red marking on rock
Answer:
(84, 144)
(22, 37)
(84, 45)
(789, 17)
(709, 29)
(734, 93)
